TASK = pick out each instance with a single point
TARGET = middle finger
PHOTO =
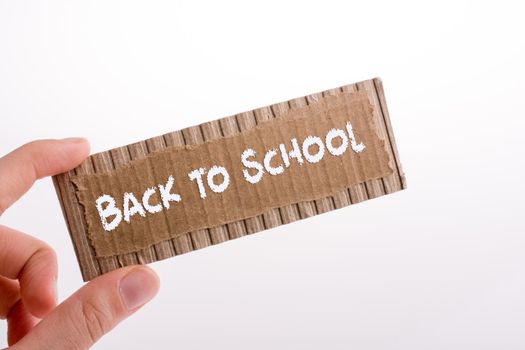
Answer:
(33, 263)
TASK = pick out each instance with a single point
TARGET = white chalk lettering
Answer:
(136, 207)
(357, 147)
(268, 166)
(145, 201)
(275, 161)
(131, 206)
(218, 170)
(166, 195)
(251, 164)
(295, 153)
(312, 149)
(197, 175)
(110, 210)
(332, 134)
(310, 141)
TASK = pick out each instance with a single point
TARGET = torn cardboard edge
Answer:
(308, 153)
(140, 250)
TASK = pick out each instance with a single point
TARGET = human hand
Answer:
(28, 267)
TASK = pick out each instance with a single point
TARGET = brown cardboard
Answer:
(318, 187)
(241, 199)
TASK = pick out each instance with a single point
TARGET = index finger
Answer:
(23, 166)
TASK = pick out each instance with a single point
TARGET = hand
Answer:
(28, 267)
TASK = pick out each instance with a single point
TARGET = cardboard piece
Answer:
(180, 192)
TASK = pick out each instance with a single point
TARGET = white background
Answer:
(438, 266)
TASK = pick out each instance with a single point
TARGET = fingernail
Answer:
(74, 140)
(138, 287)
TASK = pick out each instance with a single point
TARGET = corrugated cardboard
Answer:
(368, 163)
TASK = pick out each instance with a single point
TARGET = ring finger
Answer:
(9, 295)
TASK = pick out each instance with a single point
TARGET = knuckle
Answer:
(45, 252)
(43, 257)
(96, 320)
(50, 253)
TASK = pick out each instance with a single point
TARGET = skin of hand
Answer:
(28, 266)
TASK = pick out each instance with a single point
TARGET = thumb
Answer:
(93, 310)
